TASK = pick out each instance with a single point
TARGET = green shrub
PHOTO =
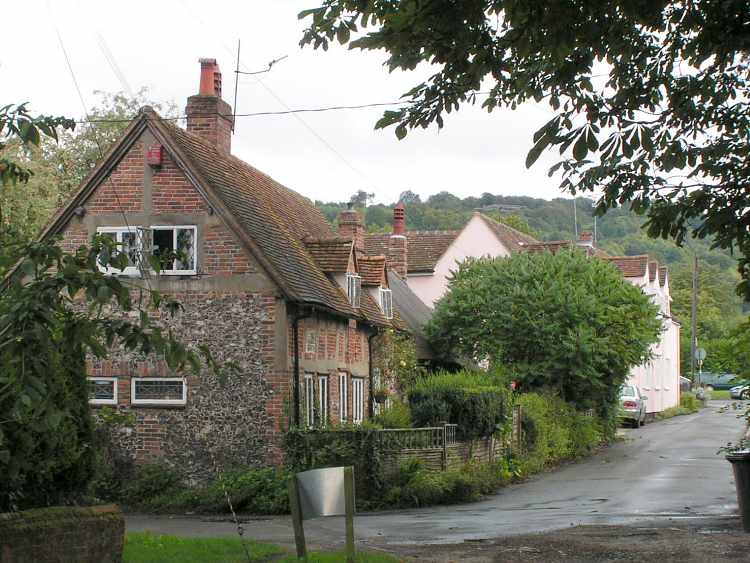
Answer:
(358, 446)
(415, 486)
(690, 402)
(471, 400)
(396, 415)
(159, 488)
(553, 431)
(151, 482)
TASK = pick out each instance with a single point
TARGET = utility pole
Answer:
(693, 320)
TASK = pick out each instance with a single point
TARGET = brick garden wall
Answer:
(62, 534)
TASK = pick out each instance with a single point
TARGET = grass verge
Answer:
(149, 548)
(720, 395)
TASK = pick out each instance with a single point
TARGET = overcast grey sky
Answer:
(325, 156)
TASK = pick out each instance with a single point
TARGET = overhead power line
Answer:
(253, 114)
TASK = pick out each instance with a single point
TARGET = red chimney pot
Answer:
(210, 84)
(399, 219)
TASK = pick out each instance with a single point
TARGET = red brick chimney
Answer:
(351, 226)
(207, 114)
(397, 243)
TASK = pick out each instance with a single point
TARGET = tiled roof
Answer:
(424, 248)
(276, 219)
(662, 275)
(413, 311)
(372, 269)
(630, 266)
(555, 245)
(550, 246)
(331, 254)
(653, 270)
(510, 238)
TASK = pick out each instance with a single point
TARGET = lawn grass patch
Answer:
(720, 395)
(145, 547)
(150, 548)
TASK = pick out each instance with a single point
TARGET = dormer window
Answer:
(386, 302)
(354, 289)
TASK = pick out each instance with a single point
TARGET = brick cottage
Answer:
(265, 282)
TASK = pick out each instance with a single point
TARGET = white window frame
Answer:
(358, 399)
(118, 231)
(386, 302)
(309, 389)
(323, 399)
(343, 396)
(311, 342)
(158, 402)
(354, 289)
(175, 228)
(112, 401)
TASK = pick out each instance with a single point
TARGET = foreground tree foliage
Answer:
(650, 97)
(55, 308)
(564, 323)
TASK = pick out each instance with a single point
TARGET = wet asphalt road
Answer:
(665, 470)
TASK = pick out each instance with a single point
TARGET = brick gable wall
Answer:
(231, 307)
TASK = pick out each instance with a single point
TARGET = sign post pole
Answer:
(349, 499)
(299, 530)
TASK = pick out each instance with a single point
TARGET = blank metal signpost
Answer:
(322, 492)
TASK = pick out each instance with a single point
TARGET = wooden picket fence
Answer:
(438, 448)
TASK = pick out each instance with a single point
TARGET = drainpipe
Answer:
(295, 384)
(370, 403)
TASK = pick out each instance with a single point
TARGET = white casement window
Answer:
(358, 400)
(102, 390)
(127, 240)
(179, 240)
(323, 399)
(386, 302)
(309, 400)
(158, 391)
(311, 342)
(354, 289)
(343, 397)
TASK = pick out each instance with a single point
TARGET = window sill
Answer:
(154, 405)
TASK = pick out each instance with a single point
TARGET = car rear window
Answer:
(627, 392)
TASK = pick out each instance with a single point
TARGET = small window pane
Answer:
(185, 249)
(130, 247)
(159, 391)
(101, 390)
(164, 247)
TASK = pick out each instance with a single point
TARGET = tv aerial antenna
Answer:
(237, 73)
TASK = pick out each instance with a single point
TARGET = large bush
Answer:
(565, 323)
(471, 400)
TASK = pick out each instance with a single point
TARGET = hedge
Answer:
(470, 400)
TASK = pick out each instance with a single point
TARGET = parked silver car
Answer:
(741, 391)
(632, 406)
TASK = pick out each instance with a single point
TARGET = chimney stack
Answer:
(207, 114)
(586, 239)
(351, 226)
(397, 243)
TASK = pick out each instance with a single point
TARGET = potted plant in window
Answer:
(739, 456)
